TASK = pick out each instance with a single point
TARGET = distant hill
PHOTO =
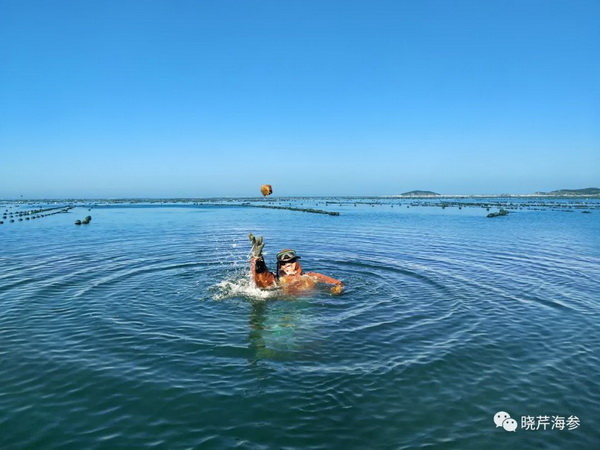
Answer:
(420, 193)
(582, 192)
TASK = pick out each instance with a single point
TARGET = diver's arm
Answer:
(324, 278)
(258, 269)
(336, 289)
(260, 273)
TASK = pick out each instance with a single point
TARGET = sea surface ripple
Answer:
(143, 329)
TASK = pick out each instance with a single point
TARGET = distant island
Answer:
(587, 192)
(420, 194)
(572, 192)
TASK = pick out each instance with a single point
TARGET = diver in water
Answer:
(289, 275)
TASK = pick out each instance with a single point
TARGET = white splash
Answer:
(242, 287)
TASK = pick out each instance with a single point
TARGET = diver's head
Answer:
(287, 263)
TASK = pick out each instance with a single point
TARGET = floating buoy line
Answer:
(287, 208)
(32, 214)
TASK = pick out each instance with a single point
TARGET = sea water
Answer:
(142, 329)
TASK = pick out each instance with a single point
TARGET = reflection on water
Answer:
(274, 328)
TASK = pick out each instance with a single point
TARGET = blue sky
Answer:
(196, 98)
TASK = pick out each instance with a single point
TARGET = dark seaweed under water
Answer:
(141, 329)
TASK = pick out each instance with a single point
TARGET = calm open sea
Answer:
(142, 330)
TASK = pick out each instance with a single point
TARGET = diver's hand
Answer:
(337, 289)
(257, 246)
